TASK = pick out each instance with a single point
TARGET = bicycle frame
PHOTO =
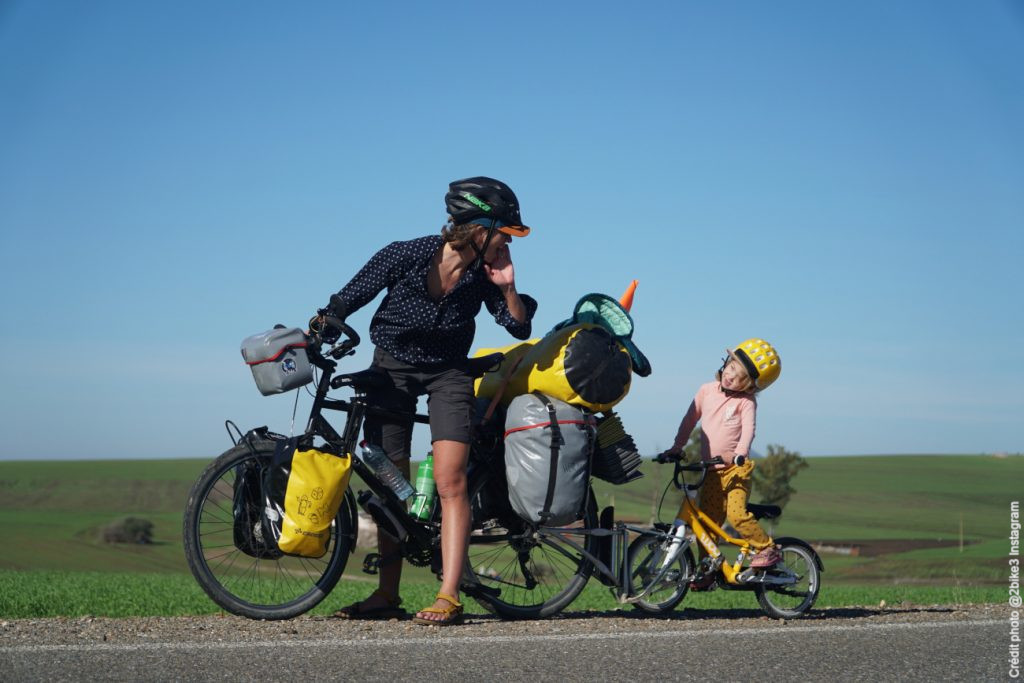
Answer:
(404, 524)
(423, 534)
(699, 522)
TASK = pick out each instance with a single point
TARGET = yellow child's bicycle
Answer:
(663, 563)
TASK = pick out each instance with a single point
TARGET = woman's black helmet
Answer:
(482, 200)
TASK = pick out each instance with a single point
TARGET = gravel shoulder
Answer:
(229, 629)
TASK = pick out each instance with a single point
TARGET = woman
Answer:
(423, 331)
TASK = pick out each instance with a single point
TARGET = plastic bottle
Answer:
(388, 473)
(426, 489)
(678, 534)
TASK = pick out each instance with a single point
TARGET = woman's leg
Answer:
(450, 459)
(450, 404)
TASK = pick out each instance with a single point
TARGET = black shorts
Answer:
(450, 403)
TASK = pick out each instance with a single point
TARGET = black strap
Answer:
(283, 451)
(557, 441)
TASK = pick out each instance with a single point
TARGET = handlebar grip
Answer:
(739, 460)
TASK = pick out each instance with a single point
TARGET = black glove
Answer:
(337, 307)
(667, 456)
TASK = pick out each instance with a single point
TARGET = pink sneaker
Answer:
(766, 558)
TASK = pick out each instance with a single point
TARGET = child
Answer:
(727, 410)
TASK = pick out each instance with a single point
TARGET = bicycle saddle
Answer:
(362, 381)
(478, 366)
(764, 511)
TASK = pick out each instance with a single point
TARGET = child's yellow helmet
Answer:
(761, 361)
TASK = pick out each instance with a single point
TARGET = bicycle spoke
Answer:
(254, 579)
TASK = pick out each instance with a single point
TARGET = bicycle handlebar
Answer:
(702, 467)
(326, 328)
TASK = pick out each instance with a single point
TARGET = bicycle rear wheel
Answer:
(646, 556)
(255, 581)
(521, 573)
(800, 564)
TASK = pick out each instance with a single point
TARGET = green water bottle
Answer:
(425, 489)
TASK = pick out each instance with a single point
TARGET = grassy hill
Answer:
(893, 524)
(889, 509)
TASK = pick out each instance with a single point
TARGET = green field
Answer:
(902, 514)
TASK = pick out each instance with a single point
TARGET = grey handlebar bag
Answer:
(278, 359)
(548, 446)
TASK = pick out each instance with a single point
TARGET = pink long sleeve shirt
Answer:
(727, 421)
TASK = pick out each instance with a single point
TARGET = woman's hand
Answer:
(500, 270)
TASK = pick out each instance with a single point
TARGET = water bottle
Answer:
(425, 489)
(388, 473)
(678, 534)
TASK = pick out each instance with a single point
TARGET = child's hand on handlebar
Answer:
(729, 459)
(668, 456)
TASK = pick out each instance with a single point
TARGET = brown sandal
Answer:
(389, 610)
(452, 613)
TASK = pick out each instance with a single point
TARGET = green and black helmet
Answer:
(486, 201)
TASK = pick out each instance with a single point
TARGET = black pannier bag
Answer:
(247, 512)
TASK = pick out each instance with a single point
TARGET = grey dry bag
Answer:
(278, 359)
(548, 445)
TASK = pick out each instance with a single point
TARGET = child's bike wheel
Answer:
(646, 555)
(250, 578)
(792, 600)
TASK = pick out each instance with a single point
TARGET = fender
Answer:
(349, 506)
(789, 540)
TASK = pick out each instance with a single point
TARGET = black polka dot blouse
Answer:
(412, 326)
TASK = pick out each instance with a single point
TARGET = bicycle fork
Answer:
(663, 558)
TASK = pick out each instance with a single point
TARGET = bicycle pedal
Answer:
(371, 565)
(703, 583)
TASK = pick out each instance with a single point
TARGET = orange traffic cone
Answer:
(626, 300)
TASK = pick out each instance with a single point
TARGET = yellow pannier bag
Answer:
(316, 487)
(581, 364)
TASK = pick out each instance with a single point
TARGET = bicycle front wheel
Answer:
(646, 561)
(799, 569)
(521, 573)
(252, 579)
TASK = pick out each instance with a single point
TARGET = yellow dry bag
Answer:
(581, 364)
(316, 486)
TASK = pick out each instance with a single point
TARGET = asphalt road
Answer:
(910, 645)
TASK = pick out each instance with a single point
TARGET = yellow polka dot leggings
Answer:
(724, 496)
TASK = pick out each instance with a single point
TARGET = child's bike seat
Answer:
(764, 511)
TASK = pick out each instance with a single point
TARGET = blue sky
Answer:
(842, 179)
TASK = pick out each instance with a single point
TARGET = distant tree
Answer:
(773, 474)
